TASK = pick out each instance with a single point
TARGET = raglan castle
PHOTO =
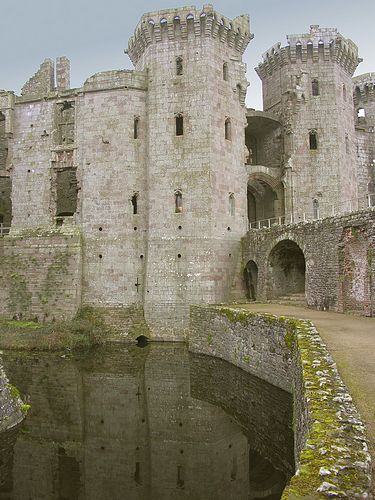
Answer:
(145, 191)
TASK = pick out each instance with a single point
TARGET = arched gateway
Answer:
(286, 270)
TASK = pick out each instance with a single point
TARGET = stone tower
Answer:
(196, 197)
(364, 108)
(307, 85)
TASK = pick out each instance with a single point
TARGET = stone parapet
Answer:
(321, 44)
(181, 23)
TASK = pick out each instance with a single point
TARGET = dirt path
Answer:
(351, 341)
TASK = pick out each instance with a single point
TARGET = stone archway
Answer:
(286, 270)
(265, 198)
(251, 280)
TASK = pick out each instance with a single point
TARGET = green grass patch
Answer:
(88, 328)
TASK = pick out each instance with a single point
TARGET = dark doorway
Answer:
(251, 280)
(286, 270)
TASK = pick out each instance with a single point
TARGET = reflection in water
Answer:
(155, 423)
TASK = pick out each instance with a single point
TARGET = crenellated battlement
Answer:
(185, 22)
(320, 45)
(364, 88)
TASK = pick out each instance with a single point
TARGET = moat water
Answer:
(124, 422)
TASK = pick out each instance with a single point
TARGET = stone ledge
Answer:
(330, 445)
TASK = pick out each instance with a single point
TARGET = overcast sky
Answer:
(93, 34)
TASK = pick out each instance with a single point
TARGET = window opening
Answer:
(135, 203)
(179, 66)
(313, 139)
(232, 206)
(228, 129)
(225, 71)
(315, 87)
(179, 124)
(178, 201)
(316, 209)
(136, 127)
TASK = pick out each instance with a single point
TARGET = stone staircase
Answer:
(293, 299)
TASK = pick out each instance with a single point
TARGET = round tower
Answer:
(364, 116)
(195, 165)
(307, 85)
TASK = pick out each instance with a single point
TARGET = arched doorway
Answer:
(286, 270)
(251, 280)
(265, 200)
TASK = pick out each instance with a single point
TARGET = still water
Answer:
(124, 422)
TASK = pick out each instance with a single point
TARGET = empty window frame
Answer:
(225, 72)
(313, 140)
(179, 66)
(228, 129)
(315, 87)
(179, 119)
(65, 123)
(178, 201)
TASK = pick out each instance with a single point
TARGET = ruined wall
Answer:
(40, 275)
(339, 260)
(326, 173)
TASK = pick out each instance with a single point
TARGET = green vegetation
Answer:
(25, 408)
(88, 328)
(13, 391)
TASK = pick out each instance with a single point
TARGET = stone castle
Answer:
(146, 191)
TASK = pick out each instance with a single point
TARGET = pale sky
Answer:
(93, 34)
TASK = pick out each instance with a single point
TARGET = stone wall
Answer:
(330, 447)
(339, 260)
(40, 275)
(10, 418)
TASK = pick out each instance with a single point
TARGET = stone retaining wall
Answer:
(10, 418)
(330, 445)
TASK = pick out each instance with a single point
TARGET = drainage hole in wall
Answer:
(179, 256)
(230, 255)
(100, 229)
(102, 421)
(182, 452)
(100, 256)
(228, 228)
(141, 256)
(179, 227)
(135, 228)
(102, 448)
(28, 171)
(180, 424)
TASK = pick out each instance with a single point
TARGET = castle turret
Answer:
(308, 86)
(364, 116)
(196, 189)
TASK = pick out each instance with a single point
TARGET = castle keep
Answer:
(135, 193)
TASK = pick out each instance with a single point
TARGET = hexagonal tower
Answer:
(364, 116)
(308, 86)
(196, 191)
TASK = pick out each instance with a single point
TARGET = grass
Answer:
(85, 330)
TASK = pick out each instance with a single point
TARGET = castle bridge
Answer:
(328, 263)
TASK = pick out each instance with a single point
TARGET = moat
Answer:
(147, 423)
